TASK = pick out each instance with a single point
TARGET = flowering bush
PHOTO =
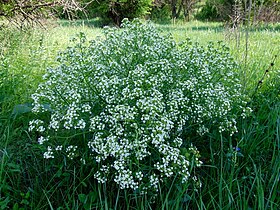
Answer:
(122, 102)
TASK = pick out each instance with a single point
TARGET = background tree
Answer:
(116, 10)
(238, 11)
(22, 12)
(177, 7)
(161, 11)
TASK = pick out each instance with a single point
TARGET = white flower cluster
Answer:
(130, 96)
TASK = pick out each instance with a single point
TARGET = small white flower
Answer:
(58, 148)
(49, 153)
(42, 139)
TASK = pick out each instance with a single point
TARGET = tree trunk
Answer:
(174, 8)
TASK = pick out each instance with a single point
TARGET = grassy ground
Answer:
(244, 179)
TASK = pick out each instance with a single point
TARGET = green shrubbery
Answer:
(127, 103)
(238, 171)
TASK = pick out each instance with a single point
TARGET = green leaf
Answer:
(13, 167)
(4, 203)
(93, 196)
(21, 109)
(82, 198)
(47, 107)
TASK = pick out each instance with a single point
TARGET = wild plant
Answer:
(125, 103)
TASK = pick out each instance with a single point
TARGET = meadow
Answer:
(239, 171)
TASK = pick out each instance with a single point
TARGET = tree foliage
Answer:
(177, 8)
(117, 10)
(238, 11)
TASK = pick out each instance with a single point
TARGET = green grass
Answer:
(245, 179)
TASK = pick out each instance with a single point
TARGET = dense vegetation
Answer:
(141, 117)
(113, 11)
(240, 170)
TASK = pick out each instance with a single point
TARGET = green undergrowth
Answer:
(238, 172)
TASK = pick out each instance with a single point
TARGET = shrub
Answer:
(122, 102)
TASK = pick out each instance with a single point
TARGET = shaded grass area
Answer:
(239, 172)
